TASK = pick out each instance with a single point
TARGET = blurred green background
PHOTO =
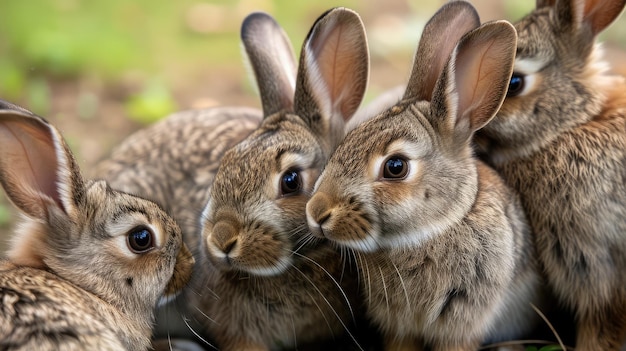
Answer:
(99, 70)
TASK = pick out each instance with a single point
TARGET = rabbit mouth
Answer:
(256, 261)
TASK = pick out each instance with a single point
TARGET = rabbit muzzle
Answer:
(318, 212)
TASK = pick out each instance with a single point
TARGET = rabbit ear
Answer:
(271, 56)
(333, 73)
(5, 105)
(439, 37)
(37, 169)
(544, 3)
(594, 14)
(474, 83)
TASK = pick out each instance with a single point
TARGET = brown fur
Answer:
(444, 253)
(176, 162)
(71, 281)
(262, 285)
(571, 171)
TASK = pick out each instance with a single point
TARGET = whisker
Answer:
(322, 312)
(382, 277)
(406, 294)
(343, 294)
(198, 335)
(205, 315)
(329, 305)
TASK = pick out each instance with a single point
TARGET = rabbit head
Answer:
(124, 249)
(559, 79)
(255, 214)
(409, 173)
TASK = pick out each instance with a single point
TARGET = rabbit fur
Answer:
(252, 250)
(88, 265)
(175, 163)
(560, 141)
(443, 248)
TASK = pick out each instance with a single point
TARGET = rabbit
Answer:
(259, 285)
(174, 161)
(88, 265)
(560, 141)
(444, 252)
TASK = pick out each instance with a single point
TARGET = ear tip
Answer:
(340, 14)
(256, 22)
(462, 8)
(24, 115)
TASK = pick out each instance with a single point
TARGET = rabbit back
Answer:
(74, 319)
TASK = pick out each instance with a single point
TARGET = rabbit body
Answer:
(88, 265)
(473, 281)
(75, 320)
(442, 245)
(255, 257)
(560, 141)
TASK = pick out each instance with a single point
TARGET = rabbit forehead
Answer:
(535, 37)
(115, 213)
(249, 169)
(401, 130)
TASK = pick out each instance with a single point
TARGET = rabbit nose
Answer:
(318, 212)
(225, 237)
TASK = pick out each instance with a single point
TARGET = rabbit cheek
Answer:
(181, 275)
(344, 222)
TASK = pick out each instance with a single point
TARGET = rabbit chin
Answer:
(399, 240)
(280, 267)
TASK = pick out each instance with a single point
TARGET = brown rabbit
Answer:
(560, 141)
(259, 284)
(88, 264)
(444, 252)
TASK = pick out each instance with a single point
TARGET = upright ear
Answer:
(5, 105)
(333, 73)
(544, 3)
(595, 15)
(272, 60)
(440, 35)
(474, 83)
(37, 170)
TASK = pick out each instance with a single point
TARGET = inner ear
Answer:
(593, 15)
(333, 72)
(37, 169)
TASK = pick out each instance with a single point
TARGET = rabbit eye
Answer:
(290, 182)
(395, 167)
(516, 85)
(140, 240)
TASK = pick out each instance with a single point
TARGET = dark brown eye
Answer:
(396, 167)
(140, 240)
(516, 85)
(290, 182)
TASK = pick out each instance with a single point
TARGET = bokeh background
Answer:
(99, 70)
